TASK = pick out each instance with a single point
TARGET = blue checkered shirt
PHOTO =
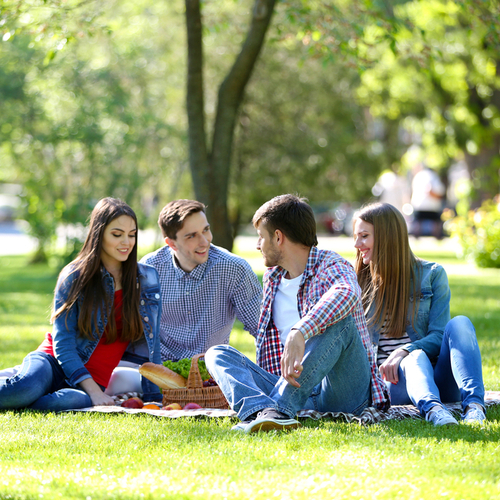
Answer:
(328, 292)
(199, 308)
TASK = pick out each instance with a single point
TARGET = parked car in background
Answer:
(335, 218)
(9, 201)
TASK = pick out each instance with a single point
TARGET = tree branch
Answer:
(232, 88)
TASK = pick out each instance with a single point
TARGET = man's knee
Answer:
(345, 327)
(218, 352)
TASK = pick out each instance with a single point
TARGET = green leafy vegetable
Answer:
(183, 366)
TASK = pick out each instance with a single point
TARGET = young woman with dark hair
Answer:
(104, 300)
(425, 358)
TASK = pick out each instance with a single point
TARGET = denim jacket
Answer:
(433, 313)
(73, 350)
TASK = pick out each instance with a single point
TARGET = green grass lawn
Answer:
(97, 456)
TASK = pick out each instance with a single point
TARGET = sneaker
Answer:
(440, 416)
(241, 426)
(474, 414)
(270, 419)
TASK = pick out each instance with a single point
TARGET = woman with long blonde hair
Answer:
(424, 357)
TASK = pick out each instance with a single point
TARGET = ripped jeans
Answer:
(457, 375)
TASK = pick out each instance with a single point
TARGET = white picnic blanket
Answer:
(369, 415)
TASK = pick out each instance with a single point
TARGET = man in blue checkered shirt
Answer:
(313, 347)
(204, 288)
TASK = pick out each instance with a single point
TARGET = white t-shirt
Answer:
(425, 182)
(285, 307)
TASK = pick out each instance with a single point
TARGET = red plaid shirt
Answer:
(328, 292)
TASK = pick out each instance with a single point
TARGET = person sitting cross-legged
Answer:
(313, 347)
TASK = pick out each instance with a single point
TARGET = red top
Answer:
(105, 357)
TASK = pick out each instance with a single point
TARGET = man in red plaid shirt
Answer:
(313, 346)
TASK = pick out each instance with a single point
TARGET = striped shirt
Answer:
(386, 344)
(328, 293)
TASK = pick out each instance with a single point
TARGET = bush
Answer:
(479, 233)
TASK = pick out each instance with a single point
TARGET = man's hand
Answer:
(389, 368)
(291, 361)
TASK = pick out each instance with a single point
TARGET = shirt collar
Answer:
(311, 262)
(276, 273)
(197, 273)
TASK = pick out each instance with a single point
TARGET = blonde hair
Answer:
(390, 283)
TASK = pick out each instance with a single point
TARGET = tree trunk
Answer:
(210, 171)
(484, 167)
(484, 170)
(198, 157)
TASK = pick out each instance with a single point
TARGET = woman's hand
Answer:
(96, 394)
(102, 399)
(389, 368)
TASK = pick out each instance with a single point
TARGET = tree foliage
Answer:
(94, 99)
(94, 96)
(303, 133)
(94, 121)
(432, 66)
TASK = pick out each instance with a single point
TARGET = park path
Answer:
(15, 241)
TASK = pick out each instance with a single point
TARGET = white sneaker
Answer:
(474, 414)
(440, 416)
(242, 426)
(270, 419)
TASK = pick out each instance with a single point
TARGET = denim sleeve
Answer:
(65, 333)
(439, 316)
(151, 392)
(156, 349)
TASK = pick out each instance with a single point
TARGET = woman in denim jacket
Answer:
(104, 300)
(425, 358)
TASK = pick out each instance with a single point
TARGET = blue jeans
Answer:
(41, 384)
(336, 376)
(457, 375)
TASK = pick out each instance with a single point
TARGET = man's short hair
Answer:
(292, 216)
(174, 214)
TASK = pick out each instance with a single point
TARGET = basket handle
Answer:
(194, 380)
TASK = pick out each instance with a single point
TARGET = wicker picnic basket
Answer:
(206, 397)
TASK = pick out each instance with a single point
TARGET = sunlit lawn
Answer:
(96, 456)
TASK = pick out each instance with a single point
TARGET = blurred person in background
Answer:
(427, 200)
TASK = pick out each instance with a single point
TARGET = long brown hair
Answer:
(389, 283)
(88, 282)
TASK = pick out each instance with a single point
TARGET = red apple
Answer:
(192, 406)
(173, 406)
(133, 403)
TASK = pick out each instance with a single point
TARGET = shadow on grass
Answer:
(418, 429)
